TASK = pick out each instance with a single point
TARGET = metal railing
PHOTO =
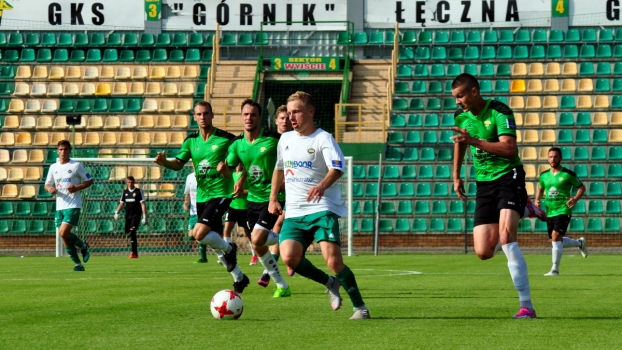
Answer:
(359, 123)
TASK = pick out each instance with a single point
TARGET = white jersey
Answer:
(61, 176)
(305, 161)
(191, 189)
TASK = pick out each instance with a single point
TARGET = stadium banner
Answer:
(245, 15)
(457, 13)
(71, 15)
(595, 13)
(295, 64)
(153, 9)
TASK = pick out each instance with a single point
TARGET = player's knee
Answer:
(485, 255)
(290, 260)
(334, 264)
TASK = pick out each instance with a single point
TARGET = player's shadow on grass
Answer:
(613, 318)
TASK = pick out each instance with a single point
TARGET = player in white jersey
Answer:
(65, 179)
(310, 161)
(190, 205)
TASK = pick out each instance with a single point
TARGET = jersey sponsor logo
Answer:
(336, 163)
(298, 179)
(130, 200)
(298, 164)
(511, 124)
(289, 172)
(66, 179)
(255, 174)
(553, 192)
(311, 150)
(204, 167)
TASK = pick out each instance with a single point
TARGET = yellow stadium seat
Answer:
(190, 72)
(23, 139)
(57, 73)
(616, 118)
(586, 85)
(107, 72)
(91, 139)
(3, 173)
(27, 191)
(137, 89)
(552, 68)
(143, 139)
(549, 119)
(41, 139)
(157, 73)
(183, 106)
(530, 136)
(154, 171)
(569, 68)
(40, 72)
(23, 72)
(55, 90)
(615, 136)
(141, 153)
(173, 72)
(186, 89)
(118, 173)
(49, 106)
(153, 89)
(518, 119)
(7, 139)
(71, 89)
(530, 189)
(517, 102)
(568, 85)
(550, 102)
(529, 153)
(103, 89)
(95, 122)
(15, 174)
(27, 123)
(530, 171)
(534, 85)
(586, 101)
(170, 89)
(21, 90)
(536, 69)
(163, 122)
(150, 190)
(112, 122)
(544, 167)
(16, 106)
(87, 89)
(532, 119)
(126, 139)
(548, 136)
(137, 172)
(166, 190)
(518, 85)
(519, 69)
(106, 153)
(109, 139)
(139, 73)
(159, 139)
(176, 138)
(11, 122)
(120, 89)
(129, 122)
(60, 123)
(55, 137)
(73, 72)
(551, 85)
(123, 73)
(4, 156)
(600, 119)
(36, 156)
(146, 122)
(32, 106)
(38, 90)
(181, 121)
(150, 106)
(9, 191)
(519, 136)
(32, 174)
(533, 102)
(91, 73)
(600, 101)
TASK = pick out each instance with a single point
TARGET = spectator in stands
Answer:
(237, 214)
(66, 179)
(133, 199)
(557, 182)
(490, 129)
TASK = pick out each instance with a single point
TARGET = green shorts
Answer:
(68, 216)
(322, 226)
(192, 221)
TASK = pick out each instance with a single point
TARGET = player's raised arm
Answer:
(175, 164)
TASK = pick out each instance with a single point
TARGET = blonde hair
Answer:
(302, 96)
(281, 109)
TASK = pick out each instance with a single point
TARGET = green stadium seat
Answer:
(404, 71)
(27, 55)
(418, 87)
(408, 172)
(582, 136)
(455, 53)
(580, 170)
(425, 37)
(612, 225)
(471, 53)
(65, 39)
(401, 87)
(419, 225)
(77, 56)
(437, 225)
(15, 39)
(196, 39)
(604, 51)
(605, 34)
(65, 106)
(439, 208)
(487, 70)
(406, 53)
(523, 36)
(431, 120)
(442, 172)
(228, 39)
(440, 190)
(599, 135)
(595, 207)
(83, 106)
(444, 154)
(398, 121)
(502, 86)
(193, 55)
(404, 208)
(489, 53)
(414, 120)
(143, 56)
(400, 104)
(247, 39)
(426, 172)
(127, 56)
(598, 153)
(110, 55)
(358, 171)
(146, 40)
(602, 85)
(159, 55)
(18, 226)
(44, 55)
(617, 51)
(422, 53)
(524, 226)
(584, 119)
(81, 39)
(32, 39)
(441, 37)
(406, 190)
(521, 52)
(485, 86)
(613, 207)
(48, 39)
(343, 38)
(456, 207)
(539, 36)
(369, 207)
(114, 39)
(596, 189)
(22, 209)
(413, 137)
(571, 51)
(435, 87)
(10, 56)
(603, 68)
(613, 189)
(554, 52)
(471, 189)
(615, 153)
(209, 40)
(594, 225)
(581, 153)
(416, 104)
(356, 207)
(36, 226)
(60, 55)
(589, 35)
(130, 39)
(453, 69)
(389, 189)
(107, 227)
(573, 35)
(616, 101)
(393, 154)
(6, 208)
(433, 104)
(587, 51)
(430, 137)
(457, 37)
(100, 106)
(410, 154)
(360, 38)
(367, 225)
(449, 104)
(134, 105)
(473, 37)
(566, 119)
(98, 40)
(537, 52)
(163, 39)
(503, 70)
(93, 55)
(4, 226)
(614, 171)
(597, 171)
(40, 209)
(491, 37)
(373, 172)
(427, 154)
(506, 36)
(439, 53)
(376, 38)
(409, 38)
(422, 208)
(568, 102)
(371, 190)
(577, 225)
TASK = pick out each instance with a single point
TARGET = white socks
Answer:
(558, 250)
(214, 240)
(270, 264)
(236, 273)
(227, 239)
(519, 273)
(250, 245)
(569, 242)
(273, 238)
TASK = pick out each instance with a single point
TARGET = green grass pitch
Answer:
(416, 301)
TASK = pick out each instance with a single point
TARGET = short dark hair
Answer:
(253, 103)
(131, 178)
(65, 143)
(205, 104)
(466, 80)
(558, 150)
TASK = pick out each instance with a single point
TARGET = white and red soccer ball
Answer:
(227, 305)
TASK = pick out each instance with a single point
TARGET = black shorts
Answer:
(258, 214)
(132, 222)
(210, 213)
(506, 192)
(236, 215)
(558, 223)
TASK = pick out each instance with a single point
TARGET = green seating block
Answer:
(48, 39)
(10, 56)
(114, 39)
(521, 52)
(441, 37)
(65, 106)
(471, 53)
(455, 53)
(605, 34)
(130, 39)
(406, 53)
(587, 51)
(537, 52)
(422, 53)
(589, 35)
(146, 40)
(110, 55)
(196, 39)
(228, 39)
(176, 56)
(65, 39)
(613, 189)
(439, 53)
(83, 106)
(164, 39)
(61, 55)
(192, 55)
(159, 55)
(16, 39)
(247, 39)
(18, 226)
(77, 56)
(134, 105)
(27, 55)
(425, 37)
(127, 56)
(573, 35)
(604, 51)
(612, 225)
(554, 51)
(32, 39)
(409, 38)
(262, 38)
(81, 39)
(44, 55)
(93, 55)
(98, 39)
(143, 56)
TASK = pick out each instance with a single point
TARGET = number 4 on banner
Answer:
(560, 8)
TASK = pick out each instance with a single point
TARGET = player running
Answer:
(489, 128)
(190, 205)
(237, 213)
(135, 212)
(310, 162)
(557, 182)
(66, 179)
(256, 150)
(208, 148)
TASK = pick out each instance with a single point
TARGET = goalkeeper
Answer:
(135, 212)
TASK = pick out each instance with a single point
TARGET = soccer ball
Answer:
(227, 305)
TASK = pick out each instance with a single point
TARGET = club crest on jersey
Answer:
(69, 171)
(262, 149)
(133, 194)
(214, 147)
(311, 150)
(287, 148)
(487, 124)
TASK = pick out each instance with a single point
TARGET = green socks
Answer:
(347, 280)
(276, 257)
(75, 241)
(72, 251)
(305, 268)
(203, 251)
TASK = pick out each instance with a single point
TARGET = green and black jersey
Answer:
(259, 159)
(496, 119)
(557, 188)
(240, 202)
(206, 155)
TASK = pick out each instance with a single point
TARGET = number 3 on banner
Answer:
(560, 6)
(277, 63)
(153, 10)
